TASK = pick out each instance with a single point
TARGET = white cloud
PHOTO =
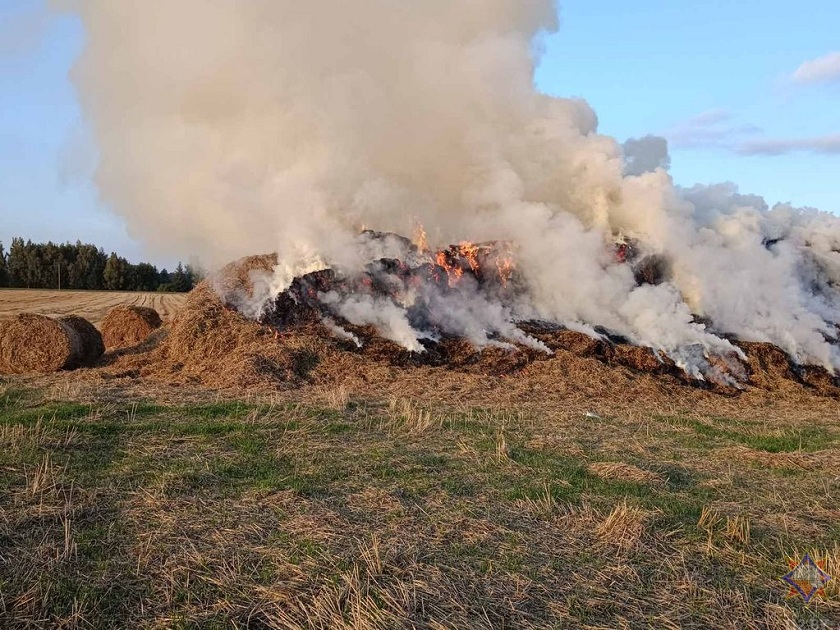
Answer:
(820, 70)
(828, 144)
(713, 129)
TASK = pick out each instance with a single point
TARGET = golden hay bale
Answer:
(211, 343)
(126, 326)
(820, 380)
(572, 341)
(36, 343)
(92, 345)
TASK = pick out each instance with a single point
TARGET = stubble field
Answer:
(92, 305)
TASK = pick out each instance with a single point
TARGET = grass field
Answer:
(92, 305)
(571, 494)
(176, 509)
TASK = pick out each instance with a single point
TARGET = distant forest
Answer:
(31, 265)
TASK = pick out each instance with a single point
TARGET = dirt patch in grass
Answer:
(624, 471)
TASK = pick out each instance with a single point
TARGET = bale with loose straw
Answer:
(126, 326)
(244, 282)
(36, 343)
(92, 345)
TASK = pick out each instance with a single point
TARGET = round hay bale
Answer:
(127, 326)
(36, 343)
(92, 345)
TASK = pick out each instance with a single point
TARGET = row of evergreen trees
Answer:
(83, 266)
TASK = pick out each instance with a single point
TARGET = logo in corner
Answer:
(806, 578)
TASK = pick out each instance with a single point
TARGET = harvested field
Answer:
(92, 305)
(226, 474)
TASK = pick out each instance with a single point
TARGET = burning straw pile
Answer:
(36, 343)
(329, 327)
(298, 338)
(127, 326)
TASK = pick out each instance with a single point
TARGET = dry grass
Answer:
(338, 397)
(19, 437)
(709, 519)
(407, 415)
(364, 512)
(623, 527)
(738, 529)
(221, 476)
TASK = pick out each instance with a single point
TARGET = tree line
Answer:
(49, 265)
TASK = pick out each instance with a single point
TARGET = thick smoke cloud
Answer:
(229, 128)
(645, 155)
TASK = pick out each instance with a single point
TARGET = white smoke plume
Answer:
(228, 128)
(382, 313)
(340, 332)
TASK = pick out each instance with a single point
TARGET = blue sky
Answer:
(716, 78)
(723, 81)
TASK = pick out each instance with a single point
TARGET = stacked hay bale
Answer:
(212, 342)
(36, 343)
(127, 326)
(641, 359)
(770, 368)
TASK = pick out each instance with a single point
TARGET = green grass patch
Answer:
(50, 413)
(12, 398)
(228, 410)
(772, 440)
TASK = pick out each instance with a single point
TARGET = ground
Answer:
(359, 494)
(191, 509)
(92, 305)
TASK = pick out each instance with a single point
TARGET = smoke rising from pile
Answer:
(228, 128)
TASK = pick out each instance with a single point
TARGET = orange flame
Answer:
(453, 272)
(480, 259)
(470, 252)
(504, 265)
(419, 238)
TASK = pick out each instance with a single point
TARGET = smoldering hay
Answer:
(229, 128)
